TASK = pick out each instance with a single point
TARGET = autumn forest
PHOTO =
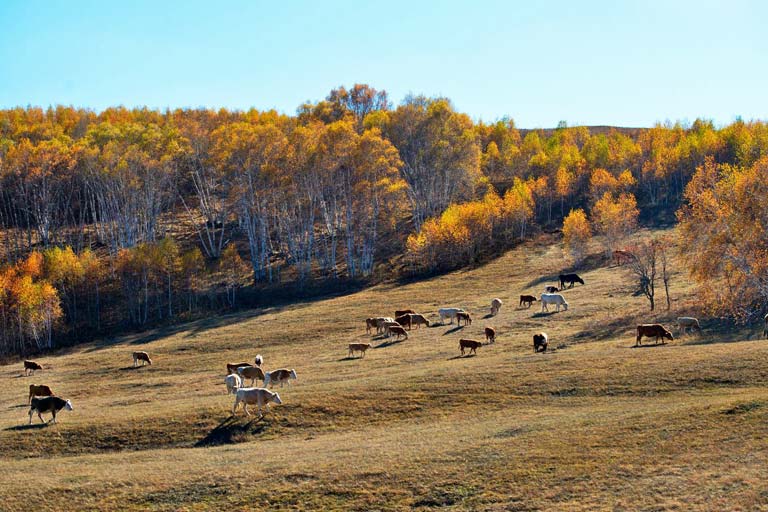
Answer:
(121, 219)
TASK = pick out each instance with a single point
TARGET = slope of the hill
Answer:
(596, 424)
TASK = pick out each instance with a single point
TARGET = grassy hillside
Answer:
(593, 425)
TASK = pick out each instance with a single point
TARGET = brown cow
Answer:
(401, 312)
(232, 367)
(527, 300)
(462, 315)
(30, 367)
(490, 334)
(404, 320)
(398, 330)
(652, 331)
(41, 390)
(419, 320)
(472, 345)
(370, 323)
(540, 342)
(141, 356)
(358, 347)
(551, 289)
(251, 372)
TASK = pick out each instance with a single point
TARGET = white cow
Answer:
(553, 298)
(495, 306)
(233, 382)
(259, 396)
(449, 313)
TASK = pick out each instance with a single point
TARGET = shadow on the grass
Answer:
(34, 426)
(231, 431)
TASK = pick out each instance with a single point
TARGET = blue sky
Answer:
(621, 62)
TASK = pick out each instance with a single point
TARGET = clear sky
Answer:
(620, 62)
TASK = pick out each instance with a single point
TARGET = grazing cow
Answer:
(398, 331)
(381, 322)
(472, 345)
(30, 367)
(652, 331)
(251, 372)
(449, 313)
(358, 347)
(687, 322)
(528, 300)
(51, 404)
(622, 257)
(259, 396)
(389, 325)
(41, 390)
(404, 320)
(540, 342)
(232, 367)
(258, 360)
(462, 315)
(495, 306)
(401, 312)
(418, 320)
(370, 323)
(569, 278)
(141, 356)
(279, 376)
(551, 289)
(553, 298)
(233, 382)
(490, 334)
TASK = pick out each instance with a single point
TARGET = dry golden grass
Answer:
(594, 425)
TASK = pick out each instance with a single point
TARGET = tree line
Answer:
(139, 215)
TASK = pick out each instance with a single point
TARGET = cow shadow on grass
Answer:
(389, 343)
(650, 345)
(486, 317)
(542, 314)
(349, 358)
(461, 357)
(231, 430)
(34, 426)
(451, 331)
(129, 368)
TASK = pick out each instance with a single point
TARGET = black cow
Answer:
(51, 404)
(569, 278)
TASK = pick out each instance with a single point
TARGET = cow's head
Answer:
(68, 405)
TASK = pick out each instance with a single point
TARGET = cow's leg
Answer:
(30, 416)
(245, 408)
(53, 413)
(40, 415)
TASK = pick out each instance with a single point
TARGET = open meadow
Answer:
(593, 424)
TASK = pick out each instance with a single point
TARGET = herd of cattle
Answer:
(42, 400)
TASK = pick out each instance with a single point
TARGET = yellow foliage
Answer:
(615, 217)
(461, 230)
(576, 233)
